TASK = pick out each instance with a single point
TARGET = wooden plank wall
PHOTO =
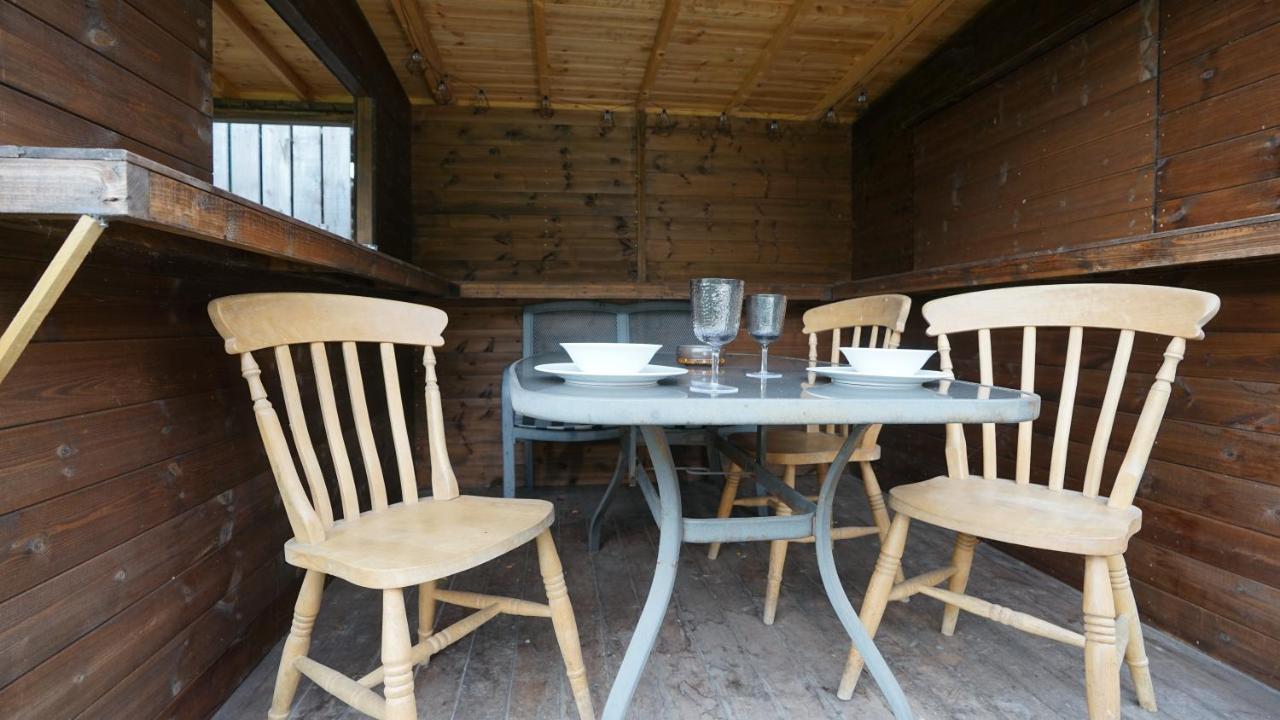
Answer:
(1077, 146)
(1055, 154)
(140, 528)
(510, 195)
(132, 74)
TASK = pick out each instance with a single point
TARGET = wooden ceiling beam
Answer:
(339, 34)
(779, 38)
(275, 61)
(418, 30)
(658, 51)
(916, 17)
(541, 64)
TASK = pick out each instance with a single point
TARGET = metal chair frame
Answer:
(516, 428)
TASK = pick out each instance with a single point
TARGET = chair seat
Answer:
(797, 447)
(1029, 515)
(410, 544)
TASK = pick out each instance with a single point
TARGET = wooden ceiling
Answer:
(786, 59)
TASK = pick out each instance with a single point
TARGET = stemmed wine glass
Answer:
(716, 309)
(765, 314)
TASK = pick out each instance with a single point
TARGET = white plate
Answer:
(573, 375)
(849, 376)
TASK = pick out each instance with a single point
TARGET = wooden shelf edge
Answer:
(1248, 239)
(123, 187)
(531, 290)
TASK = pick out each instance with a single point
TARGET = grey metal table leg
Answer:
(875, 663)
(625, 463)
(664, 576)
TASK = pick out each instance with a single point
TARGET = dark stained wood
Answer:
(44, 63)
(338, 33)
(125, 187)
(1234, 240)
(133, 40)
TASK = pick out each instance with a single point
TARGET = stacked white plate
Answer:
(647, 375)
(845, 375)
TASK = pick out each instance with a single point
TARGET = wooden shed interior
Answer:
(509, 152)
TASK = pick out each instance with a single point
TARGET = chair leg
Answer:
(1135, 654)
(730, 493)
(508, 443)
(528, 465)
(875, 499)
(565, 625)
(397, 661)
(876, 598)
(296, 646)
(426, 609)
(962, 560)
(1101, 667)
(777, 556)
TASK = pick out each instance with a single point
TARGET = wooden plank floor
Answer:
(715, 659)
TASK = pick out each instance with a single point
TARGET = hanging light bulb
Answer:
(722, 123)
(830, 118)
(415, 63)
(544, 107)
(606, 121)
(481, 103)
(665, 122)
(862, 95)
(773, 129)
(443, 95)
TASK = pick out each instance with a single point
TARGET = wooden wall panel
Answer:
(1075, 147)
(1059, 152)
(507, 195)
(747, 202)
(1219, 113)
(134, 75)
(140, 525)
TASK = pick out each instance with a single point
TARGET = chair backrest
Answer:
(660, 322)
(1177, 313)
(280, 321)
(873, 321)
(664, 322)
(546, 325)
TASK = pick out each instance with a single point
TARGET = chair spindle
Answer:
(302, 517)
(1107, 415)
(986, 377)
(1022, 472)
(399, 428)
(1066, 404)
(444, 485)
(301, 436)
(957, 451)
(333, 432)
(364, 427)
(1144, 434)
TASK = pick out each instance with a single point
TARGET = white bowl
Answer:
(610, 357)
(886, 361)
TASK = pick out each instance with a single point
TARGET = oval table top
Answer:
(796, 398)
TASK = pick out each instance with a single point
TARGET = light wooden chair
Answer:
(876, 321)
(417, 541)
(1086, 521)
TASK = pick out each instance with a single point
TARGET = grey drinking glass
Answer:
(765, 314)
(716, 310)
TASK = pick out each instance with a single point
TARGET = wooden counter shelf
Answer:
(122, 187)
(560, 290)
(1249, 239)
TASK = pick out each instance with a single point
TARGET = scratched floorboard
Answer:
(715, 659)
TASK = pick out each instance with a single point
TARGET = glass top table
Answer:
(797, 398)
